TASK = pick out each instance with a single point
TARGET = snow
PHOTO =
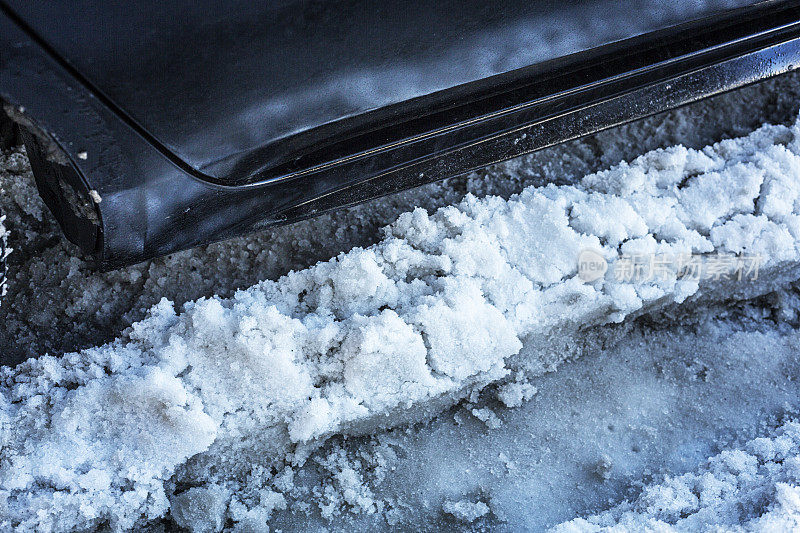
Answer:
(209, 409)
(659, 402)
(514, 393)
(725, 493)
(58, 303)
(465, 511)
(4, 251)
(201, 509)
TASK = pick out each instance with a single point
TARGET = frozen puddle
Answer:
(474, 294)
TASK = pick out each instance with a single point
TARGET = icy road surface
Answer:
(538, 397)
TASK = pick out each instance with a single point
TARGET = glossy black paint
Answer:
(236, 88)
(210, 120)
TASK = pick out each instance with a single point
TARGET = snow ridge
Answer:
(378, 336)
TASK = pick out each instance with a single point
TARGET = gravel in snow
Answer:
(481, 292)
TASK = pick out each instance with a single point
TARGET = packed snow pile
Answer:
(482, 292)
(756, 488)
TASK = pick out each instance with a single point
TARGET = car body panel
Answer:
(233, 87)
(172, 127)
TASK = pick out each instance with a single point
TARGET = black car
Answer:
(154, 126)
